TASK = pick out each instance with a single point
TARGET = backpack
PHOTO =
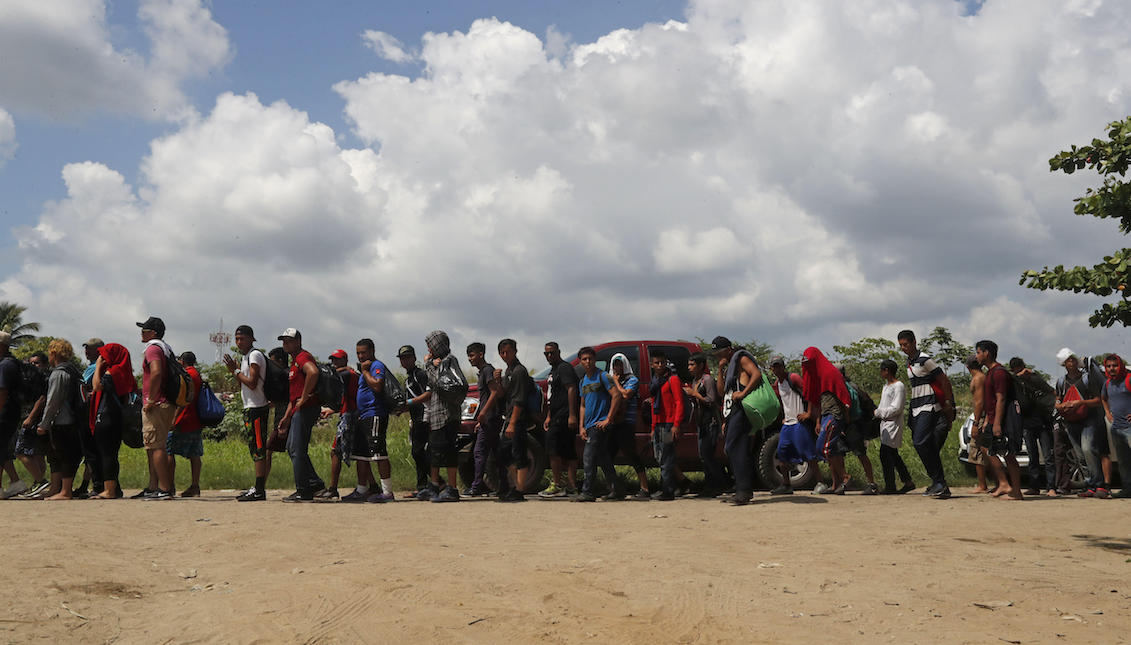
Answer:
(209, 409)
(131, 419)
(1033, 400)
(276, 382)
(1072, 393)
(330, 388)
(178, 384)
(451, 384)
(393, 393)
(762, 406)
(534, 402)
(32, 385)
(868, 423)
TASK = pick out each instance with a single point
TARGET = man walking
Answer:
(932, 411)
(737, 378)
(1036, 422)
(250, 373)
(667, 418)
(416, 389)
(597, 407)
(370, 442)
(488, 419)
(301, 415)
(157, 413)
(1117, 408)
(186, 439)
(520, 405)
(10, 403)
(1000, 419)
(704, 395)
(561, 423)
(795, 442)
(448, 386)
(1080, 406)
(342, 448)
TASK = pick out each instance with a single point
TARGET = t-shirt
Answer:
(792, 404)
(631, 385)
(705, 412)
(297, 378)
(154, 353)
(254, 397)
(831, 405)
(562, 377)
(188, 419)
(997, 380)
(1119, 401)
(1089, 388)
(350, 380)
(596, 398)
(369, 403)
(922, 371)
(415, 384)
(486, 375)
(10, 381)
(517, 384)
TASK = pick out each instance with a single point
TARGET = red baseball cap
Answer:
(339, 353)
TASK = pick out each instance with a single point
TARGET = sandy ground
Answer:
(783, 570)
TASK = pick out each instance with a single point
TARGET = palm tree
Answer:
(11, 321)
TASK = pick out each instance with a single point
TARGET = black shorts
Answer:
(258, 432)
(8, 435)
(369, 439)
(30, 443)
(561, 440)
(442, 445)
(854, 437)
(512, 450)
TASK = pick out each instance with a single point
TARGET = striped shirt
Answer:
(922, 372)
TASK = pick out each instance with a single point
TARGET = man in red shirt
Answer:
(347, 422)
(185, 439)
(302, 413)
(999, 397)
(667, 417)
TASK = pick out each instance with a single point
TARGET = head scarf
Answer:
(624, 361)
(820, 376)
(438, 344)
(120, 375)
(1121, 377)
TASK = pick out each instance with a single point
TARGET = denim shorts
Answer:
(185, 444)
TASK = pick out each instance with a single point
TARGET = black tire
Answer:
(801, 476)
(534, 452)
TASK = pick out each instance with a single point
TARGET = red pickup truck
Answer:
(687, 450)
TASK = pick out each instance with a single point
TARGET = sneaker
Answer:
(661, 496)
(582, 497)
(355, 497)
(784, 489)
(821, 489)
(449, 494)
(145, 492)
(297, 497)
(907, 488)
(159, 496)
(871, 489)
(839, 490)
(613, 496)
(191, 491)
(13, 489)
(81, 493)
(380, 498)
(327, 494)
(511, 496)
(1088, 492)
(552, 491)
(1102, 492)
(1124, 493)
(932, 490)
(474, 491)
(942, 493)
(642, 495)
(252, 496)
(426, 494)
(741, 499)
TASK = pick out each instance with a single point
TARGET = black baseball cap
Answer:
(245, 330)
(154, 324)
(720, 342)
(406, 350)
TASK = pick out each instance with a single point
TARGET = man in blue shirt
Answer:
(1117, 406)
(622, 431)
(597, 403)
(372, 422)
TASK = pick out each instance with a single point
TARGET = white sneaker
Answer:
(13, 489)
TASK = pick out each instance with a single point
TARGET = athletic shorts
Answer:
(255, 425)
(156, 424)
(369, 439)
(185, 444)
(512, 450)
(30, 443)
(854, 437)
(795, 444)
(830, 441)
(442, 445)
(561, 440)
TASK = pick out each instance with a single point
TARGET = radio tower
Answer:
(221, 339)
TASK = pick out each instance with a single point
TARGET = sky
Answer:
(795, 172)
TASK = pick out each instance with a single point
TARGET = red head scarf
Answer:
(119, 375)
(820, 376)
(1122, 375)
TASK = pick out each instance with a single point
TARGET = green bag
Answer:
(762, 406)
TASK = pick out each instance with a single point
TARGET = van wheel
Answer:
(801, 476)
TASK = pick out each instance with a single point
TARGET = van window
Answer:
(678, 356)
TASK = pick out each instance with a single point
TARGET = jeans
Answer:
(622, 439)
(926, 430)
(298, 445)
(486, 443)
(714, 476)
(664, 448)
(1121, 437)
(737, 447)
(1038, 443)
(597, 455)
(1089, 438)
(418, 438)
(891, 461)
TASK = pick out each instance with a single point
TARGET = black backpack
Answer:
(33, 384)
(393, 392)
(276, 382)
(330, 388)
(1034, 401)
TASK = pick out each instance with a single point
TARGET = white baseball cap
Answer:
(1063, 355)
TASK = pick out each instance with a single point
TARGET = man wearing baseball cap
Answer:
(347, 418)
(416, 388)
(157, 413)
(737, 378)
(251, 373)
(301, 415)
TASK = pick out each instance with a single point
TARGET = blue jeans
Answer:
(1089, 439)
(925, 434)
(737, 447)
(664, 448)
(1121, 437)
(597, 455)
(714, 476)
(298, 444)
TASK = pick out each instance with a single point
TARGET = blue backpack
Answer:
(209, 408)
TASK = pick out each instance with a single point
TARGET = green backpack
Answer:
(762, 406)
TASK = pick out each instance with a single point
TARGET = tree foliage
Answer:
(861, 361)
(11, 321)
(946, 351)
(1111, 200)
